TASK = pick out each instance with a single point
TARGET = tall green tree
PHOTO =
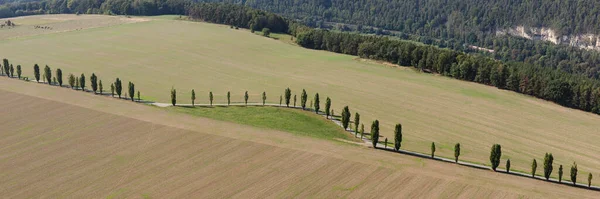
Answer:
(328, 107)
(560, 173)
(6, 67)
(574, 173)
(280, 100)
(48, 74)
(228, 98)
(398, 136)
(112, 90)
(94, 82)
(317, 103)
(118, 87)
(77, 83)
(288, 95)
(533, 168)
(193, 97)
(131, 89)
(72, 80)
(173, 96)
(36, 72)
(432, 150)
(303, 98)
(294, 100)
(508, 166)
(375, 133)
(456, 152)
(210, 97)
(59, 77)
(19, 71)
(346, 117)
(495, 155)
(82, 82)
(356, 122)
(590, 180)
(246, 98)
(264, 97)
(100, 87)
(548, 159)
(12, 71)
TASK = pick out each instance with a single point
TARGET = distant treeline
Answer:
(564, 88)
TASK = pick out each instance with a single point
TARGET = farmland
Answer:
(62, 143)
(158, 54)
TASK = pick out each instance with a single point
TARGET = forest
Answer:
(456, 24)
(531, 76)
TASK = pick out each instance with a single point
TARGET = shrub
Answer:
(590, 180)
(228, 98)
(294, 100)
(210, 97)
(508, 166)
(264, 97)
(385, 143)
(246, 98)
(266, 32)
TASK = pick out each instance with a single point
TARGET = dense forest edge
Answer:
(565, 88)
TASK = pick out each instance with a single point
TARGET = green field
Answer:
(160, 54)
(284, 119)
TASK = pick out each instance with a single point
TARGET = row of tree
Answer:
(80, 82)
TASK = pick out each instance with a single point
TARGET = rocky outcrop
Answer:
(585, 41)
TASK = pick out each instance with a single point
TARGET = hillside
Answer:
(102, 147)
(160, 54)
